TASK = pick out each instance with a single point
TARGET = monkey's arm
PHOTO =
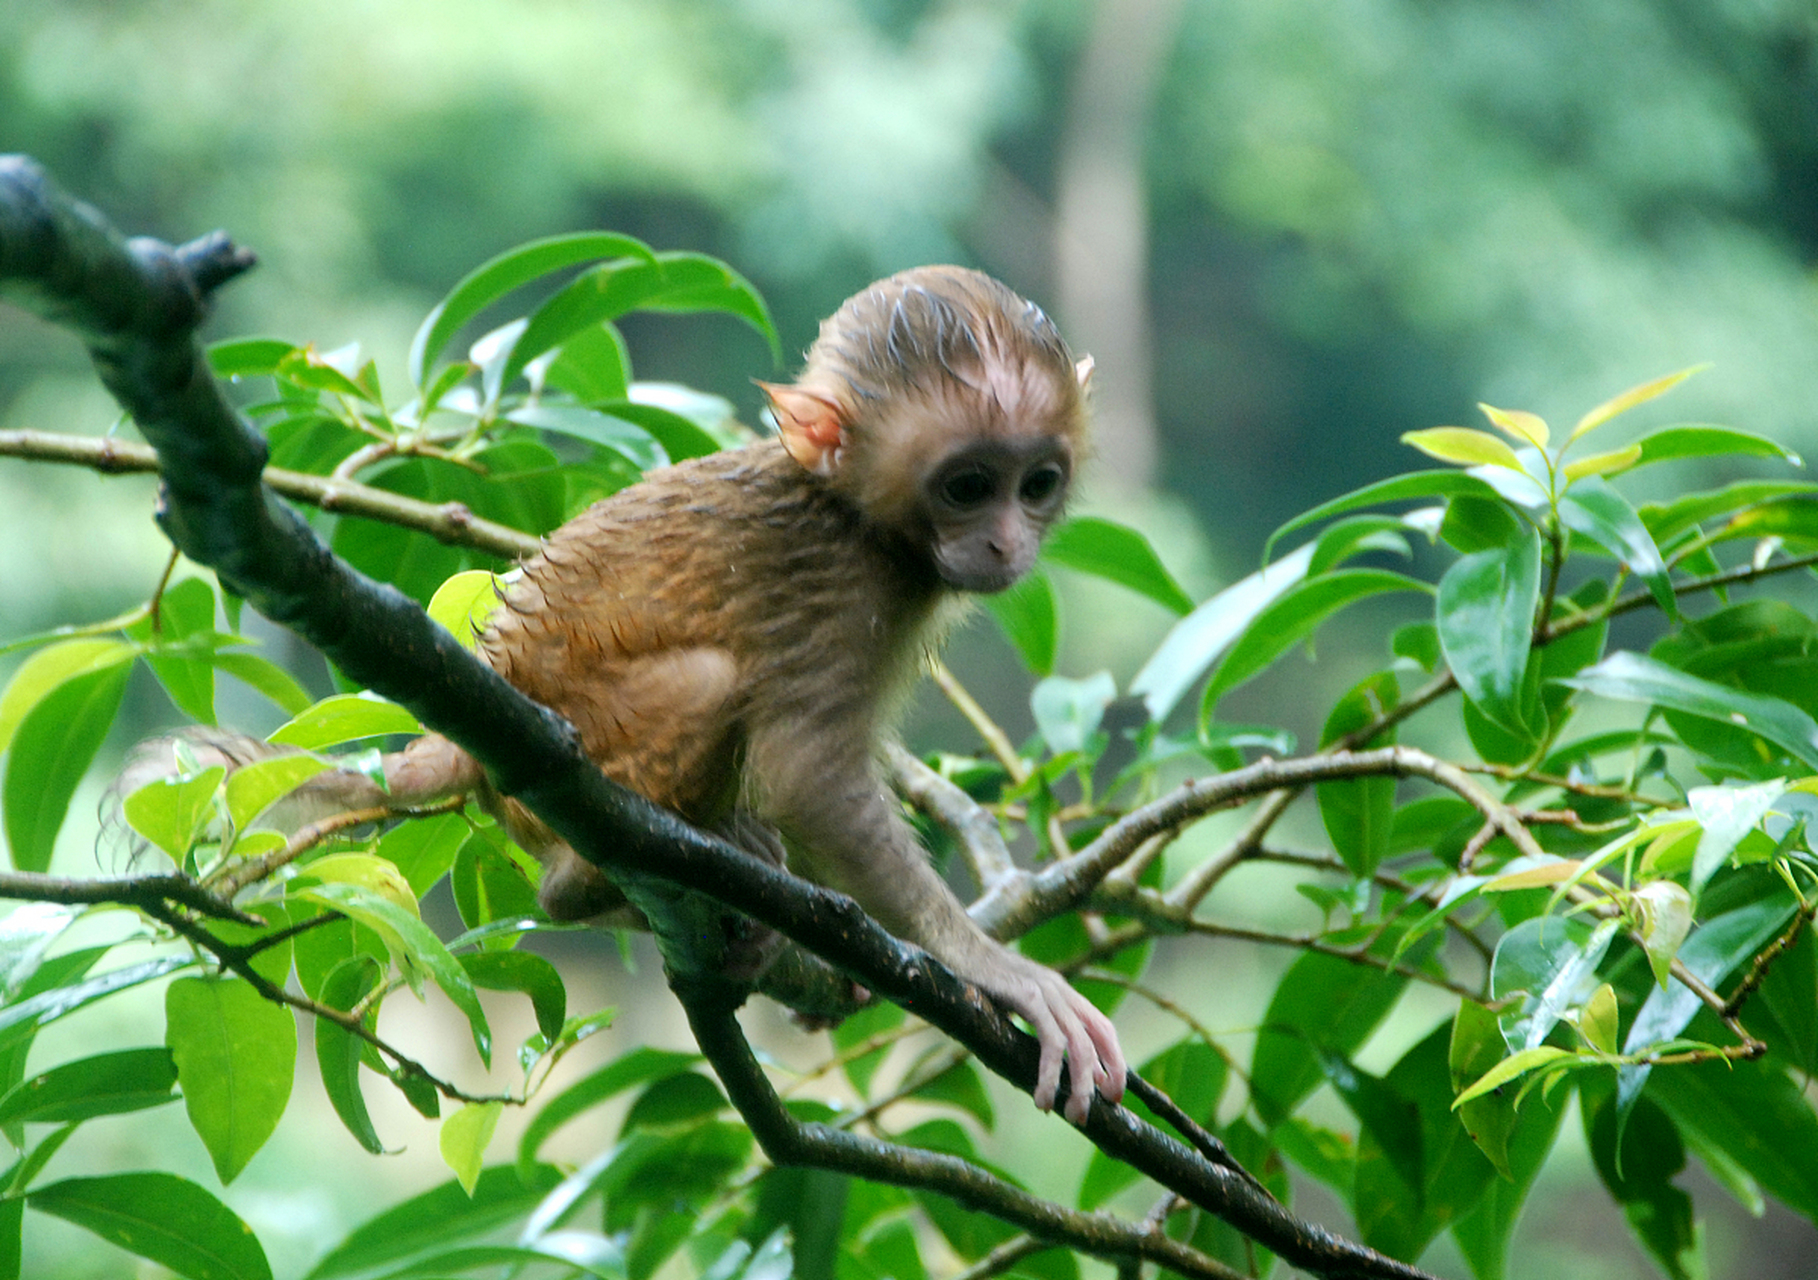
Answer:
(839, 815)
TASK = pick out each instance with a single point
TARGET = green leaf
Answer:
(1322, 1004)
(1610, 462)
(1667, 522)
(1485, 614)
(1068, 712)
(593, 365)
(1463, 445)
(265, 677)
(1118, 554)
(1343, 539)
(1475, 1049)
(1727, 814)
(1197, 640)
(464, 1138)
(1716, 949)
(1359, 813)
(595, 1256)
(608, 430)
(672, 1168)
(1450, 1174)
(675, 282)
(12, 1235)
(1698, 440)
(1030, 619)
(161, 1217)
(679, 419)
(345, 717)
(423, 849)
(1414, 484)
(961, 1087)
(437, 1219)
(1757, 1115)
(180, 649)
(171, 812)
(1294, 617)
(633, 1068)
(48, 670)
(1601, 514)
(254, 788)
(514, 268)
(26, 933)
(526, 972)
(1483, 1234)
(680, 1099)
(1637, 1163)
(1630, 677)
(418, 945)
(103, 1085)
(22, 1020)
(339, 1052)
(1599, 1020)
(489, 886)
(248, 357)
(1514, 1067)
(1551, 965)
(236, 1054)
(51, 751)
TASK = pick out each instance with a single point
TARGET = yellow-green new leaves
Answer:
(1529, 428)
(1666, 917)
(1603, 464)
(1629, 399)
(1598, 1020)
(1464, 446)
(464, 602)
(1510, 1068)
(464, 1138)
(172, 812)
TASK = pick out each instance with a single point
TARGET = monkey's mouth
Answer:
(984, 582)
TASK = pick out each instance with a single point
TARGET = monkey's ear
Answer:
(1082, 369)
(812, 426)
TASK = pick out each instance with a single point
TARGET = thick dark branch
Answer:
(788, 1141)
(137, 306)
(144, 892)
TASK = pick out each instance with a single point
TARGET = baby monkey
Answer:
(729, 635)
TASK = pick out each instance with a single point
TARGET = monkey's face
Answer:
(990, 503)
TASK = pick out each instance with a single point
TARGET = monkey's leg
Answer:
(660, 725)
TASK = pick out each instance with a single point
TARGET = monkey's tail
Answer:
(429, 770)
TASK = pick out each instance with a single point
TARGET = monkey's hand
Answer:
(1066, 1025)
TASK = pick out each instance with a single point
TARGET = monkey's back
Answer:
(669, 619)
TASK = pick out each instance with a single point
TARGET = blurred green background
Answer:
(1288, 232)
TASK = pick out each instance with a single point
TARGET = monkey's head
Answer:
(947, 409)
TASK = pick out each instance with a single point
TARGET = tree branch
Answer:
(448, 522)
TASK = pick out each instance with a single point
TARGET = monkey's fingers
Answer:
(1110, 1053)
(1095, 1062)
(1067, 1024)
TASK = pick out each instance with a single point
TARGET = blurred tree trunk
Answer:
(1101, 228)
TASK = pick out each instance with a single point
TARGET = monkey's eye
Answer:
(1040, 484)
(969, 488)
